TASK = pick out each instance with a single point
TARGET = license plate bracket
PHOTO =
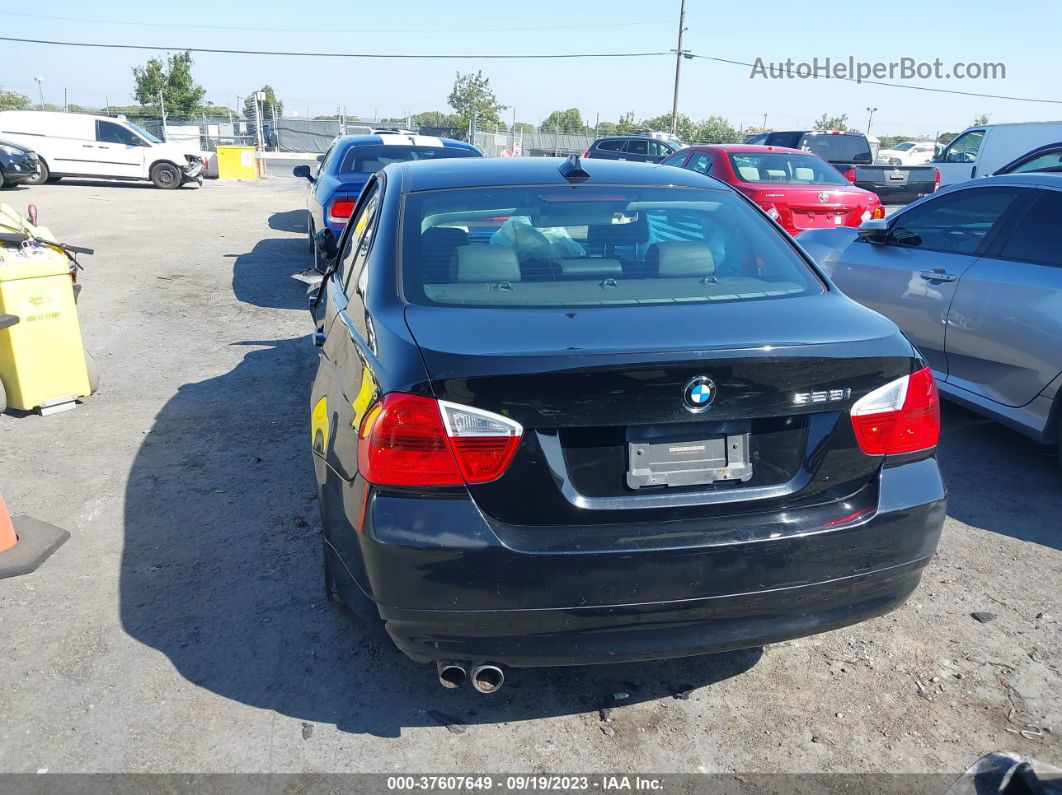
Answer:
(688, 455)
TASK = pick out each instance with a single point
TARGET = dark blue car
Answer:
(582, 412)
(351, 160)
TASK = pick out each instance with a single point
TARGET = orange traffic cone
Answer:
(25, 542)
(8, 538)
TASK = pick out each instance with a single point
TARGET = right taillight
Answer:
(936, 179)
(901, 417)
(409, 440)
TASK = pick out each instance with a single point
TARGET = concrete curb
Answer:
(37, 541)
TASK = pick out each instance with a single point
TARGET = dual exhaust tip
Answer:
(485, 677)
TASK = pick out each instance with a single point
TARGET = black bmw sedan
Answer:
(576, 412)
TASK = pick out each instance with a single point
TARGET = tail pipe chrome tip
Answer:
(451, 674)
(487, 678)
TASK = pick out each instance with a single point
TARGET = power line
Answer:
(464, 29)
(900, 85)
(224, 51)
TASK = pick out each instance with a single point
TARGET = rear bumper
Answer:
(898, 194)
(450, 584)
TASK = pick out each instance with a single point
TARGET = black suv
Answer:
(639, 148)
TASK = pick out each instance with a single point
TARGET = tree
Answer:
(434, 118)
(180, 93)
(827, 122)
(716, 130)
(563, 121)
(12, 100)
(980, 120)
(607, 128)
(524, 127)
(626, 125)
(684, 126)
(267, 106)
(472, 95)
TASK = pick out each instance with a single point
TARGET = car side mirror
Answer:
(874, 231)
(302, 172)
(320, 158)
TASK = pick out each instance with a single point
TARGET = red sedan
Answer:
(798, 189)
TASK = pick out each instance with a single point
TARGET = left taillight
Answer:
(409, 440)
(850, 174)
(903, 416)
(340, 210)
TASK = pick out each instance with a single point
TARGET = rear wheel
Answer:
(42, 175)
(166, 176)
(1, 178)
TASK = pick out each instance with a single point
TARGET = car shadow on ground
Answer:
(290, 221)
(999, 480)
(262, 276)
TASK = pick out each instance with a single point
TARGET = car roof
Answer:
(628, 137)
(468, 172)
(398, 139)
(748, 149)
(1047, 179)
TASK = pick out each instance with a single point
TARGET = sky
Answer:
(1022, 34)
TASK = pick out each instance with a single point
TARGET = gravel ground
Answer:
(183, 626)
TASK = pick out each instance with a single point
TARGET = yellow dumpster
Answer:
(237, 163)
(42, 359)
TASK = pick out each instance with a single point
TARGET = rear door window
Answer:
(610, 146)
(1038, 236)
(700, 162)
(371, 158)
(675, 159)
(637, 147)
(957, 222)
(657, 149)
(1050, 161)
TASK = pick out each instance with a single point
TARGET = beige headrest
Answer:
(484, 264)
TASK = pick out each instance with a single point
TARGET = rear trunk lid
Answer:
(821, 207)
(591, 385)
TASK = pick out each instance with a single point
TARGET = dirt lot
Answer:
(183, 626)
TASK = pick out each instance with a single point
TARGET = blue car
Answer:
(350, 161)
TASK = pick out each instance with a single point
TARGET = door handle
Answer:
(938, 275)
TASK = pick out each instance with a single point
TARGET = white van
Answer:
(979, 151)
(79, 145)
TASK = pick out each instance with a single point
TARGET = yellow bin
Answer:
(237, 163)
(42, 358)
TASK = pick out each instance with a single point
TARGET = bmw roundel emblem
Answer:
(699, 394)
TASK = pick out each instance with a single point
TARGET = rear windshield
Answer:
(370, 159)
(778, 167)
(593, 246)
(837, 148)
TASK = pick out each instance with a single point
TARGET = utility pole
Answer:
(40, 88)
(870, 118)
(679, 53)
(765, 122)
(162, 110)
(65, 104)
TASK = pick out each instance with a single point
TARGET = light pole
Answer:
(870, 118)
(679, 53)
(40, 88)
